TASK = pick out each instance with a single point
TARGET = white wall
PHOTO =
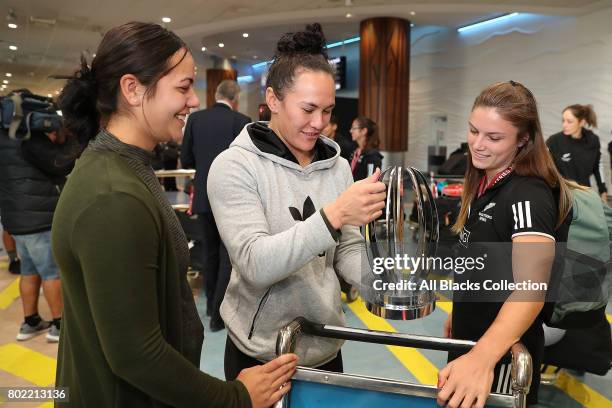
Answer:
(561, 60)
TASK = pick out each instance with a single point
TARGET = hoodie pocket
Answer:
(262, 303)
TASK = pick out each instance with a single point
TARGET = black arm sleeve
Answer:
(531, 209)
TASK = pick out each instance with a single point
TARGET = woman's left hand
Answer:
(604, 197)
(466, 381)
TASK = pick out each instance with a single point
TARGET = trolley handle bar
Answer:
(387, 338)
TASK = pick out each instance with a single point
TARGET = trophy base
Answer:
(404, 307)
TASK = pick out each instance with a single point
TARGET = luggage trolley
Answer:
(314, 388)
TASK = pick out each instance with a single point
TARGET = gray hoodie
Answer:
(283, 258)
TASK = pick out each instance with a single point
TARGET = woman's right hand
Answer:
(448, 326)
(268, 383)
(359, 204)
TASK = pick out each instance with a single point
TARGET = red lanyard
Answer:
(482, 187)
(356, 156)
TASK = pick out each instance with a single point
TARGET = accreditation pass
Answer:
(33, 394)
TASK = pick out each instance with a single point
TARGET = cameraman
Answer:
(31, 174)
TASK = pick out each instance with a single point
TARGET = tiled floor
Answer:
(33, 362)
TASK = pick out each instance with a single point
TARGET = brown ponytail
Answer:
(584, 112)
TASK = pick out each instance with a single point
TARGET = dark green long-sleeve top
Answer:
(123, 337)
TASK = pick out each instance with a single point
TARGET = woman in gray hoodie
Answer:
(289, 213)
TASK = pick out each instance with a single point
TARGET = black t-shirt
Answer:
(577, 159)
(515, 205)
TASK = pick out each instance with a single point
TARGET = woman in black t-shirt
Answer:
(513, 194)
(576, 149)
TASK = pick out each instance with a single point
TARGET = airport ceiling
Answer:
(51, 34)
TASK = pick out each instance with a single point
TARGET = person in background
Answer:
(575, 149)
(9, 246)
(132, 335)
(30, 183)
(347, 146)
(170, 155)
(366, 158)
(208, 133)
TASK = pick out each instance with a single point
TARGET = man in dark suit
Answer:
(207, 133)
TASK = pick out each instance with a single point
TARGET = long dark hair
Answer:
(516, 104)
(90, 96)
(371, 128)
(301, 50)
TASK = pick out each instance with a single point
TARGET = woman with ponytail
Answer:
(576, 149)
(288, 213)
(131, 334)
(515, 206)
(366, 157)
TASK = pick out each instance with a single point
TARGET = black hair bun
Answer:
(310, 41)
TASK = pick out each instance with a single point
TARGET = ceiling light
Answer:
(487, 22)
(166, 19)
(255, 57)
(412, 13)
(233, 57)
(11, 19)
(5, 81)
(411, 24)
(203, 49)
(13, 47)
(57, 92)
(49, 95)
(349, 15)
(245, 35)
(8, 74)
(221, 45)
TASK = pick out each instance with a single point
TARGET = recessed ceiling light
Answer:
(12, 25)
(5, 81)
(49, 95)
(13, 47)
(166, 19)
(412, 13)
(203, 49)
(8, 74)
(233, 57)
(57, 92)
(411, 24)
(221, 45)
(349, 15)
(255, 57)
(245, 35)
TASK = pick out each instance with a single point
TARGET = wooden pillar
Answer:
(384, 78)
(214, 76)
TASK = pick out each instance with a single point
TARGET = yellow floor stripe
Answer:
(46, 405)
(582, 393)
(9, 294)
(4, 266)
(444, 303)
(420, 367)
(609, 318)
(27, 364)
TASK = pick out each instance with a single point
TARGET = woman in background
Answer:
(575, 149)
(366, 158)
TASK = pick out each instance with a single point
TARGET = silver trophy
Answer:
(398, 293)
